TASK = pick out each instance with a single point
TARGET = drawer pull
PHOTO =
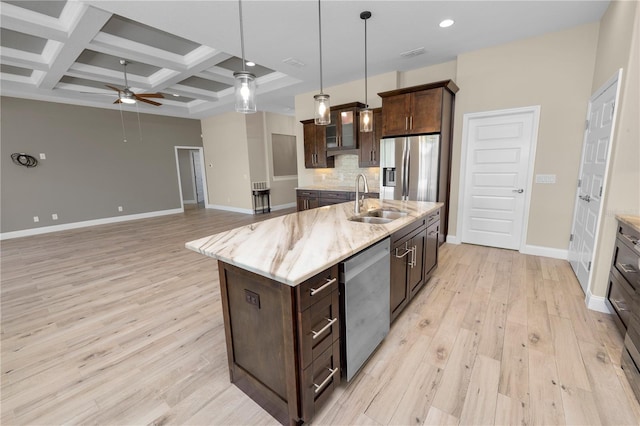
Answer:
(626, 268)
(330, 281)
(325, 381)
(631, 240)
(325, 328)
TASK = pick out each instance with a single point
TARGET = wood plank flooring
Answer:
(121, 325)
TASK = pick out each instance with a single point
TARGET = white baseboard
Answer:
(545, 252)
(596, 303)
(229, 208)
(189, 202)
(452, 239)
(86, 223)
(283, 206)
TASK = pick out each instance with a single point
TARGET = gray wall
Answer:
(89, 171)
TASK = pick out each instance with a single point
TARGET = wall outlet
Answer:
(36, 219)
(120, 208)
(42, 156)
(54, 216)
(252, 298)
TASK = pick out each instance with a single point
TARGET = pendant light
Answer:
(366, 115)
(322, 103)
(245, 82)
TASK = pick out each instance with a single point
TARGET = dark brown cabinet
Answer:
(315, 147)
(425, 109)
(310, 199)
(624, 278)
(283, 342)
(343, 131)
(414, 256)
(306, 199)
(370, 142)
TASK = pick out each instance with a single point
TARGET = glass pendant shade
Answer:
(366, 120)
(245, 89)
(322, 109)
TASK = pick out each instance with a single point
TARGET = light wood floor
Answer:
(121, 325)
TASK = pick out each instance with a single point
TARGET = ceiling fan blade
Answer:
(113, 88)
(150, 95)
(148, 101)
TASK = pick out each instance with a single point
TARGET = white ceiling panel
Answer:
(191, 48)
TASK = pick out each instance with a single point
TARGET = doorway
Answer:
(496, 175)
(191, 177)
(596, 150)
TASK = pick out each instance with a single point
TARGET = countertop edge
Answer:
(379, 232)
(631, 220)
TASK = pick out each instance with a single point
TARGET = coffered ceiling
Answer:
(67, 51)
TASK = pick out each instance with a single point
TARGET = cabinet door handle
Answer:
(406, 123)
(325, 381)
(618, 304)
(627, 268)
(414, 262)
(411, 122)
(323, 329)
(330, 281)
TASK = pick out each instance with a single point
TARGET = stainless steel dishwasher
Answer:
(364, 299)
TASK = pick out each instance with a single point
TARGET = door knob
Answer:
(519, 191)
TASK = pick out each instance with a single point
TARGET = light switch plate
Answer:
(545, 178)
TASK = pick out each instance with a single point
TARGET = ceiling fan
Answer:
(126, 96)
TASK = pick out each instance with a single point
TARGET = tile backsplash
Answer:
(345, 172)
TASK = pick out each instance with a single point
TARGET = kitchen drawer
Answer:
(315, 288)
(627, 262)
(400, 234)
(319, 327)
(620, 296)
(334, 195)
(319, 380)
(433, 217)
(352, 195)
(306, 193)
(629, 236)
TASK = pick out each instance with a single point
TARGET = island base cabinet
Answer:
(269, 330)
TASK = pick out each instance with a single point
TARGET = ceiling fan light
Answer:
(322, 115)
(245, 92)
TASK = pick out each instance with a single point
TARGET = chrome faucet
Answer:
(360, 202)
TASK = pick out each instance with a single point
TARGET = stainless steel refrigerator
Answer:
(409, 168)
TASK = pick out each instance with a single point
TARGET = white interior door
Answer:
(591, 183)
(497, 177)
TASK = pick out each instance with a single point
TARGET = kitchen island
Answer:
(279, 291)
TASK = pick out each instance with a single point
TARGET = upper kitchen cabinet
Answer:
(417, 110)
(315, 146)
(370, 142)
(343, 132)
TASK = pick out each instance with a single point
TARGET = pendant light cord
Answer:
(366, 103)
(320, 42)
(241, 34)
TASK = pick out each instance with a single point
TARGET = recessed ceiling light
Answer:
(446, 23)
(250, 64)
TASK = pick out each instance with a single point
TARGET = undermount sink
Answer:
(387, 214)
(379, 216)
(370, 219)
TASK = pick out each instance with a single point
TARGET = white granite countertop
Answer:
(295, 247)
